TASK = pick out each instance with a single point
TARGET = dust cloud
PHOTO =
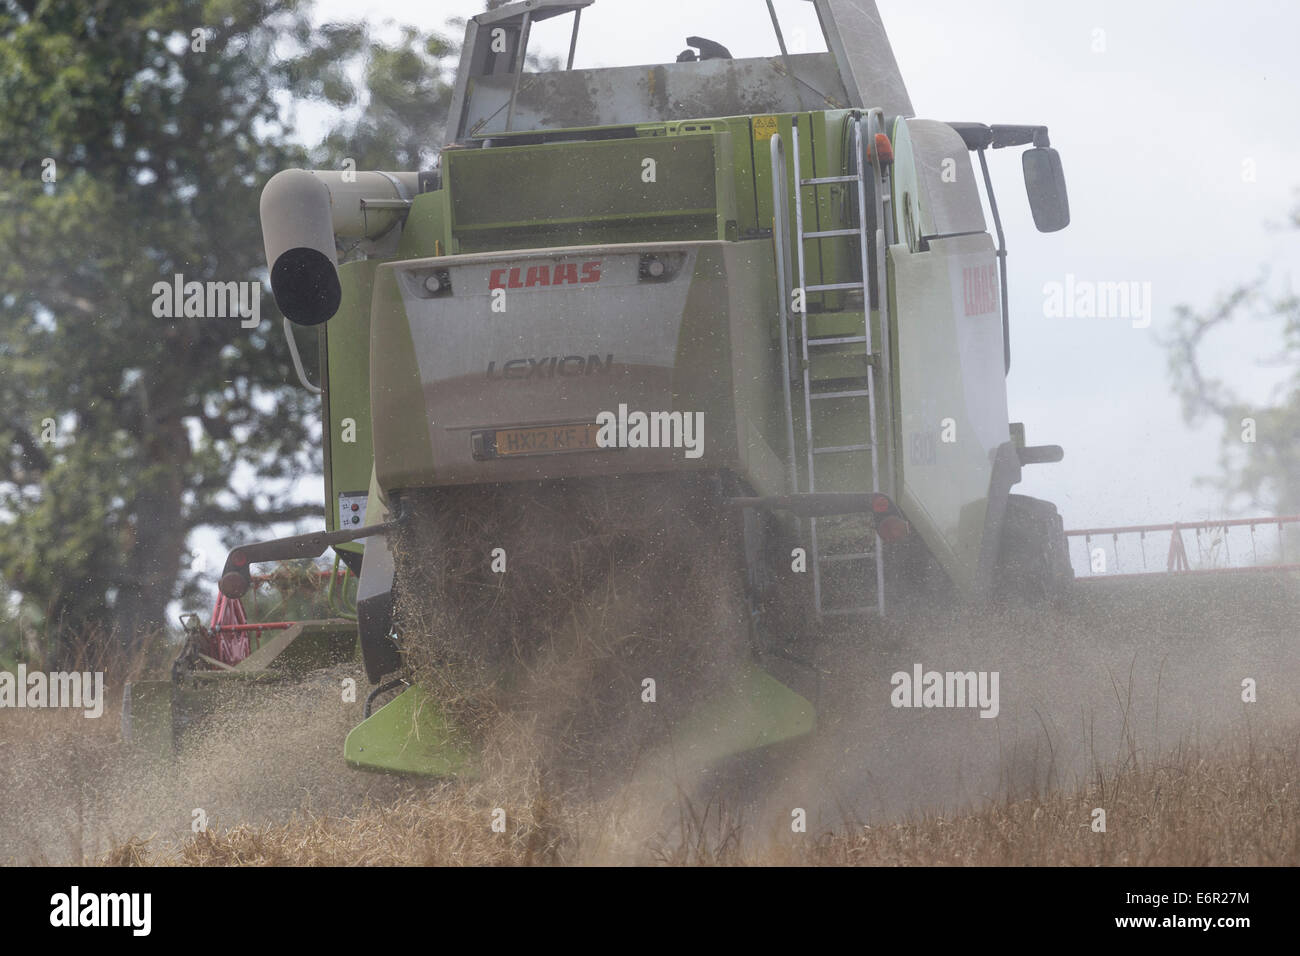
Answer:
(543, 667)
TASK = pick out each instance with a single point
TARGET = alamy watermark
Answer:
(75, 908)
(1085, 299)
(208, 300)
(624, 429)
(37, 690)
(922, 688)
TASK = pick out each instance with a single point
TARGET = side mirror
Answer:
(1045, 184)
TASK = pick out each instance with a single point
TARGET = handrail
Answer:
(864, 252)
(884, 238)
(780, 237)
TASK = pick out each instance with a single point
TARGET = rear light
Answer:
(884, 149)
(428, 283)
(659, 266)
(893, 528)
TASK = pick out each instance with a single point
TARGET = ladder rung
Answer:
(840, 449)
(855, 556)
(826, 180)
(835, 287)
(826, 396)
(846, 340)
(831, 233)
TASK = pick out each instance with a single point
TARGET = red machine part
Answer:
(1176, 559)
(233, 638)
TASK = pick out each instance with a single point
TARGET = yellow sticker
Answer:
(764, 127)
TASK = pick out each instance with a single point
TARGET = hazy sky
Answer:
(1158, 109)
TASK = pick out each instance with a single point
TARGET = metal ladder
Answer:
(870, 554)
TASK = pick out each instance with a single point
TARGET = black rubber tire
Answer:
(1034, 559)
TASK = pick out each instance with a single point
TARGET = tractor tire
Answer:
(1034, 559)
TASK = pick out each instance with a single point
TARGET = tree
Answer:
(1260, 445)
(406, 101)
(120, 432)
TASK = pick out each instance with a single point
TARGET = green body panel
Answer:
(529, 196)
(303, 647)
(944, 485)
(947, 361)
(345, 356)
(428, 226)
(156, 712)
(403, 452)
(409, 734)
(668, 182)
(758, 711)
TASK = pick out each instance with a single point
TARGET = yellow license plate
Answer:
(549, 440)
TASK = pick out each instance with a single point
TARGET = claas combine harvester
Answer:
(763, 280)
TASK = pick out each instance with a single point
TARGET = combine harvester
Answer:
(775, 249)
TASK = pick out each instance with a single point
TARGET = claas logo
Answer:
(980, 289)
(545, 275)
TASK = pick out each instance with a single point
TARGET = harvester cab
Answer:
(760, 280)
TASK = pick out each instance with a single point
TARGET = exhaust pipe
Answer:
(303, 214)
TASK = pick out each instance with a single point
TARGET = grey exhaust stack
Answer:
(304, 213)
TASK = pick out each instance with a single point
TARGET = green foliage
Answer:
(161, 150)
(1266, 472)
(406, 105)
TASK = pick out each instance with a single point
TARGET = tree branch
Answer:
(250, 514)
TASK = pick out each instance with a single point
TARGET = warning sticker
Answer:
(764, 127)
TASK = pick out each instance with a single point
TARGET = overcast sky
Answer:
(1157, 108)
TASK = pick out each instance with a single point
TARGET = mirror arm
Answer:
(1002, 260)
